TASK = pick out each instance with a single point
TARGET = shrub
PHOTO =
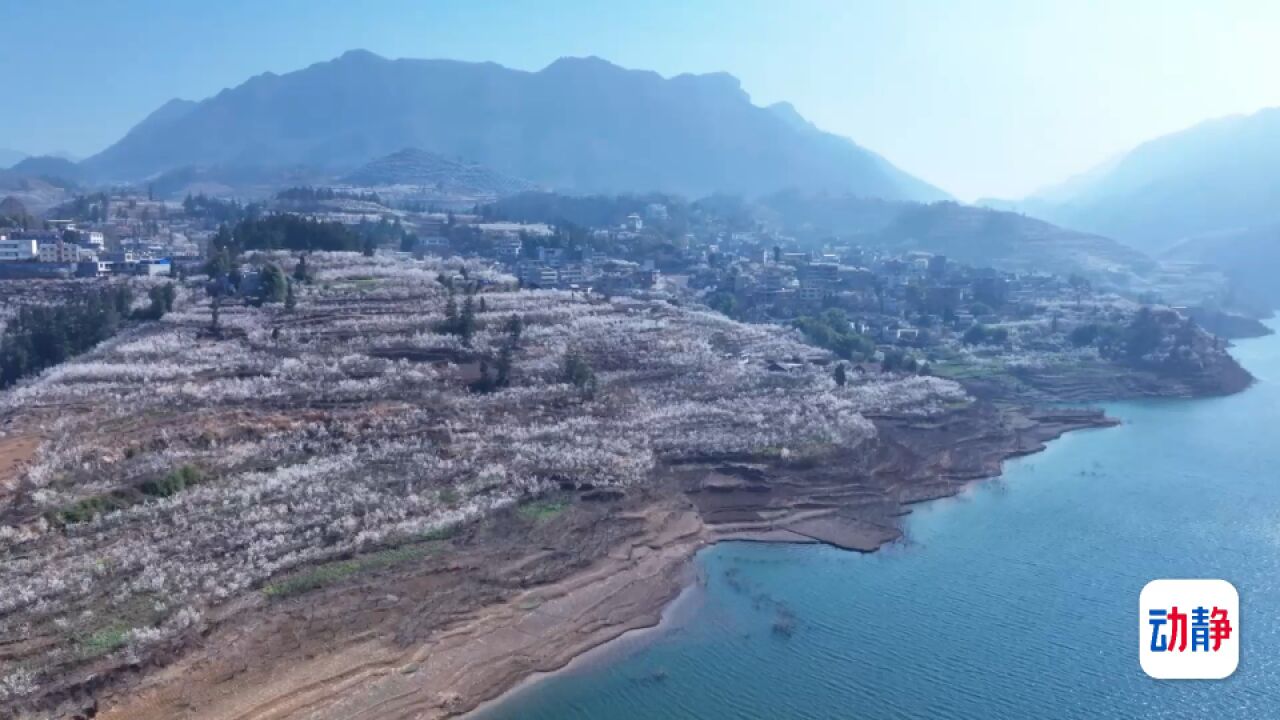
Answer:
(174, 482)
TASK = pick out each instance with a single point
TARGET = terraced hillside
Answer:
(404, 416)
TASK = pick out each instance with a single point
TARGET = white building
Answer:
(17, 249)
(634, 223)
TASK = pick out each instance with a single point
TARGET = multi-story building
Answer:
(810, 294)
(58, 251)
(17, 249)
(572, 275)
(88, 238)
(819, 275)
(537, 275)
(508, 247)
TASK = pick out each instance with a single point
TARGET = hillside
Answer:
(1216, 177)
(201, 481)
(1249, 258)
(972, 235)
(421, 168)
(56, 169)
(35, 194)
(580, 124)
(250, 181)
(1009, 241)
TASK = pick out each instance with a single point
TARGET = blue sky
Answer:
(982, 98)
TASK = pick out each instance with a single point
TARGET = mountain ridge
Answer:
(579, 124)
(1213, 177)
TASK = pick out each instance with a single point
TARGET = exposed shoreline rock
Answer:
(462, 629)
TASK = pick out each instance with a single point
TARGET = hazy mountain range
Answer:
(586, 126)
(578, 125)
(1221, 175)
(1207, 195)
(1250, 258)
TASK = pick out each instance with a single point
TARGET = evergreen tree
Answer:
(504, 366)
(578, 373)
(450, 312)
(840, 377)
(467, 321)
(272, 285)
(300, 271)
(515, 327)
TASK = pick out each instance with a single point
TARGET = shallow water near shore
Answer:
(1016, 599)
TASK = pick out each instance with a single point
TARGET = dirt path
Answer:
(16, 451)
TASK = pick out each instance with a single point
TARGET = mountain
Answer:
(972, 235)
(247, 181)
(1219, 176)
(1207, 197)
(9, 156)
(58, 170)
(34, 193)
(579, 125)
(422, 168)
(1250, 258)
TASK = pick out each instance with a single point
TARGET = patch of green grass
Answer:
(173, 483)
(86, 509)
(542, 510)
(325, 574)
(103, 640)
(961, 371)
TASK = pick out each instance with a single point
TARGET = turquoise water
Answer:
(1015, 600)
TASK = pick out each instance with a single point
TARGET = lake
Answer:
(1016, 599)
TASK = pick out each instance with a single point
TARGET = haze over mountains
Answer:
(578, 125)
(477, 131)
(9, 156)
(1221, 175)
(1206, 195)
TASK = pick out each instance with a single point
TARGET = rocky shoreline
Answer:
(462, 628)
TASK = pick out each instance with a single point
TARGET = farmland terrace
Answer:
(353, 509)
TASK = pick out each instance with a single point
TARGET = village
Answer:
(913, 311)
